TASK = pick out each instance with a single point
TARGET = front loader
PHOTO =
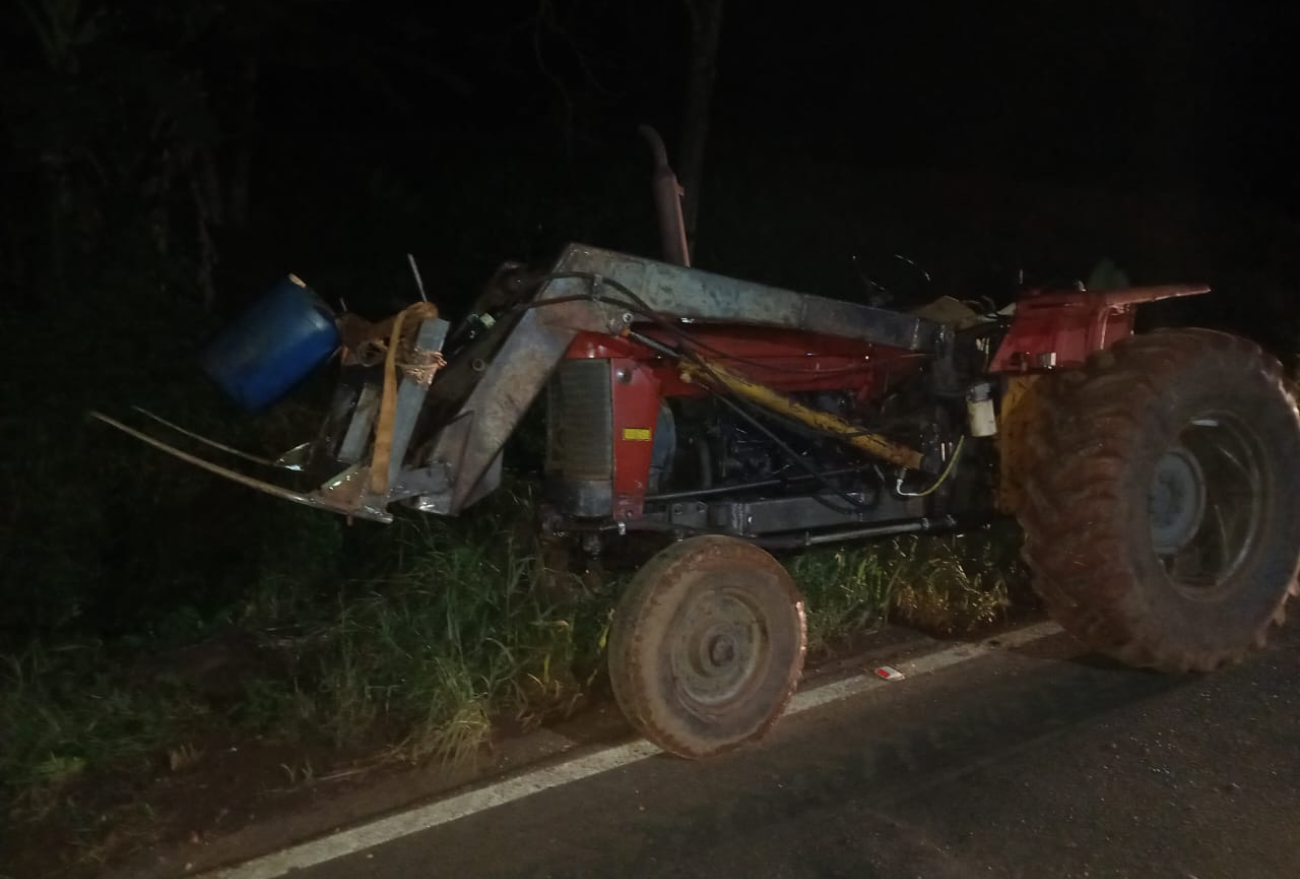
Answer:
(1152, 474)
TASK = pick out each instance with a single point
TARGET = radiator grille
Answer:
(580, 421)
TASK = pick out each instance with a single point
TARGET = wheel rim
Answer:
(1177, 502)
(720, 650)
(1205, 505)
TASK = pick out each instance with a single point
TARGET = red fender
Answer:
(1060, 329)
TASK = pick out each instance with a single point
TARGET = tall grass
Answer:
(69, 709)
(417, 662)
(944, 585)
(433, 651)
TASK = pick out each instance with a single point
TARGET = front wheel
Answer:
(707, 645)
(1161, 511)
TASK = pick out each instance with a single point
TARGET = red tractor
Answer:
(1151, 473)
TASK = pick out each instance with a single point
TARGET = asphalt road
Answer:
(1044, 763)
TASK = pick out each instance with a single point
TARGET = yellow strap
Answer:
(383, 450)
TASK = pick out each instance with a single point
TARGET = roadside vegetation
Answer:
(416, 662)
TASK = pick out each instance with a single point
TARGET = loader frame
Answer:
(447, 435)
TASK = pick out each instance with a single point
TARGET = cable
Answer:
(943, 477)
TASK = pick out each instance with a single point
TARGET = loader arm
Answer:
(446, 433)
(479, 400)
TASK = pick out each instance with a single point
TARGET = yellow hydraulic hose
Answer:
(871, 443)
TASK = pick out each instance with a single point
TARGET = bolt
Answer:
(721, 650)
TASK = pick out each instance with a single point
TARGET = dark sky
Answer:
(1148, 91)
(384, 106)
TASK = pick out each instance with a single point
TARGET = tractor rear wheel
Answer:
(707, 645)
(1160, 502)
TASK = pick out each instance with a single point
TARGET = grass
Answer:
(944, 585)
(68, 710)
(457, 635)
(419, 662)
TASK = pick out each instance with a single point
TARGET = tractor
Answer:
(1153, 474)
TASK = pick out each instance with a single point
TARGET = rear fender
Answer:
(1060, 329)
(1052, 331)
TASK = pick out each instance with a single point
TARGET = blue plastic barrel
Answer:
(261, 355)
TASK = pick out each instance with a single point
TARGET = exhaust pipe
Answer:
(668, 202)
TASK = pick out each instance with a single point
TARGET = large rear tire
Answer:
(707, 646)
(1160, 502)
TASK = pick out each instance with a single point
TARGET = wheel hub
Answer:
(722, 649)
(1207, 502)
(716, 658)
(1176, 501)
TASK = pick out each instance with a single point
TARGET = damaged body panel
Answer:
(761, 412)
(783, 410)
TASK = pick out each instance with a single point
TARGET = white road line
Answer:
(508, 790)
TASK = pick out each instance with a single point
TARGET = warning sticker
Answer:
(641, 434)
